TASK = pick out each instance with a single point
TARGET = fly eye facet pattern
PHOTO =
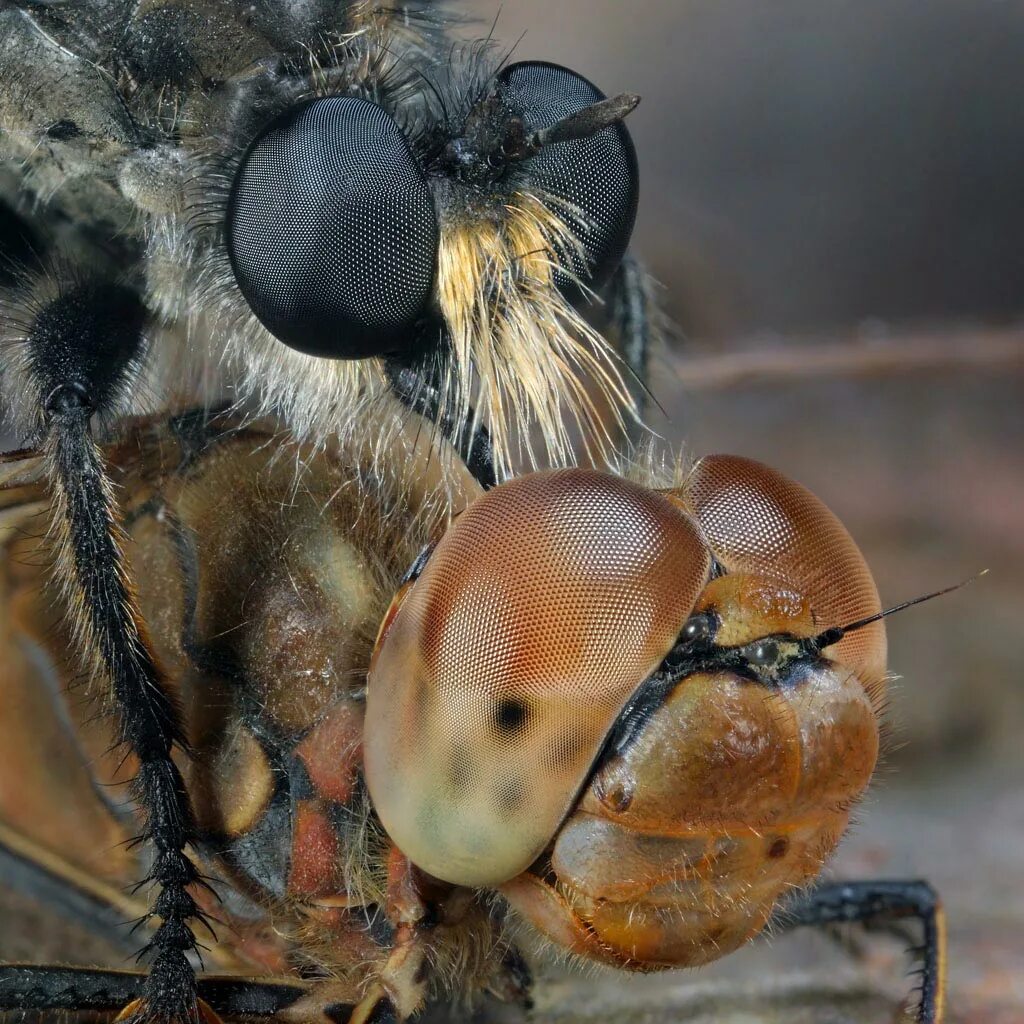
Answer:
(566, 621)
(591, 182)
(331, 230)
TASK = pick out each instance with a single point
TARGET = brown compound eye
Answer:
(539, 613)
(762, 524)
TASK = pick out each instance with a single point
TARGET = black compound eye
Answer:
(331, 230)
(597, 175)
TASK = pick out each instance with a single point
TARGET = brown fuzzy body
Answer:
(263, 570)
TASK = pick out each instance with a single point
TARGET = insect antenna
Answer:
(78, 354)
(831, 636)
(579, 125)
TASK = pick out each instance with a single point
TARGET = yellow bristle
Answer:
(514, 337)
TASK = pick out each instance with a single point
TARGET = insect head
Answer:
(461, 244)
(633, 711)
(334, 224)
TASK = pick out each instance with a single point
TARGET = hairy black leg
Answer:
(35, 987)
(879, 902)
(81, 350)
(417, 393)
(632, 316)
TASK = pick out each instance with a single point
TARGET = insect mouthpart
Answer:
(727, 779)
(727, 795)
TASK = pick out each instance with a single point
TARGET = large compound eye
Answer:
(496, 681)
(331, 230)
(594, 179)
(761, 523)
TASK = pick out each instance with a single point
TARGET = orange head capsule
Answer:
(633, 712)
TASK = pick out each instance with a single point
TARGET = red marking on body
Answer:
(332, 752)
(316, 854)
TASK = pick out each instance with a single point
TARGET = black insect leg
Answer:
(413, 388)
(878, 902)
(26, 987)
(633, 317)
(80, 351)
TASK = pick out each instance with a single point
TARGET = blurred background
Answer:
(810, 164)
(832, 195)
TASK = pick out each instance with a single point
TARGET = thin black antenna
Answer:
(836, 633)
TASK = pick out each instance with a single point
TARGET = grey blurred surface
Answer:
(808, 163)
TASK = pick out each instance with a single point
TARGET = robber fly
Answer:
(326, 206)
(327, 216)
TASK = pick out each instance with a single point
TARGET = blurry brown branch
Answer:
(982, 349)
